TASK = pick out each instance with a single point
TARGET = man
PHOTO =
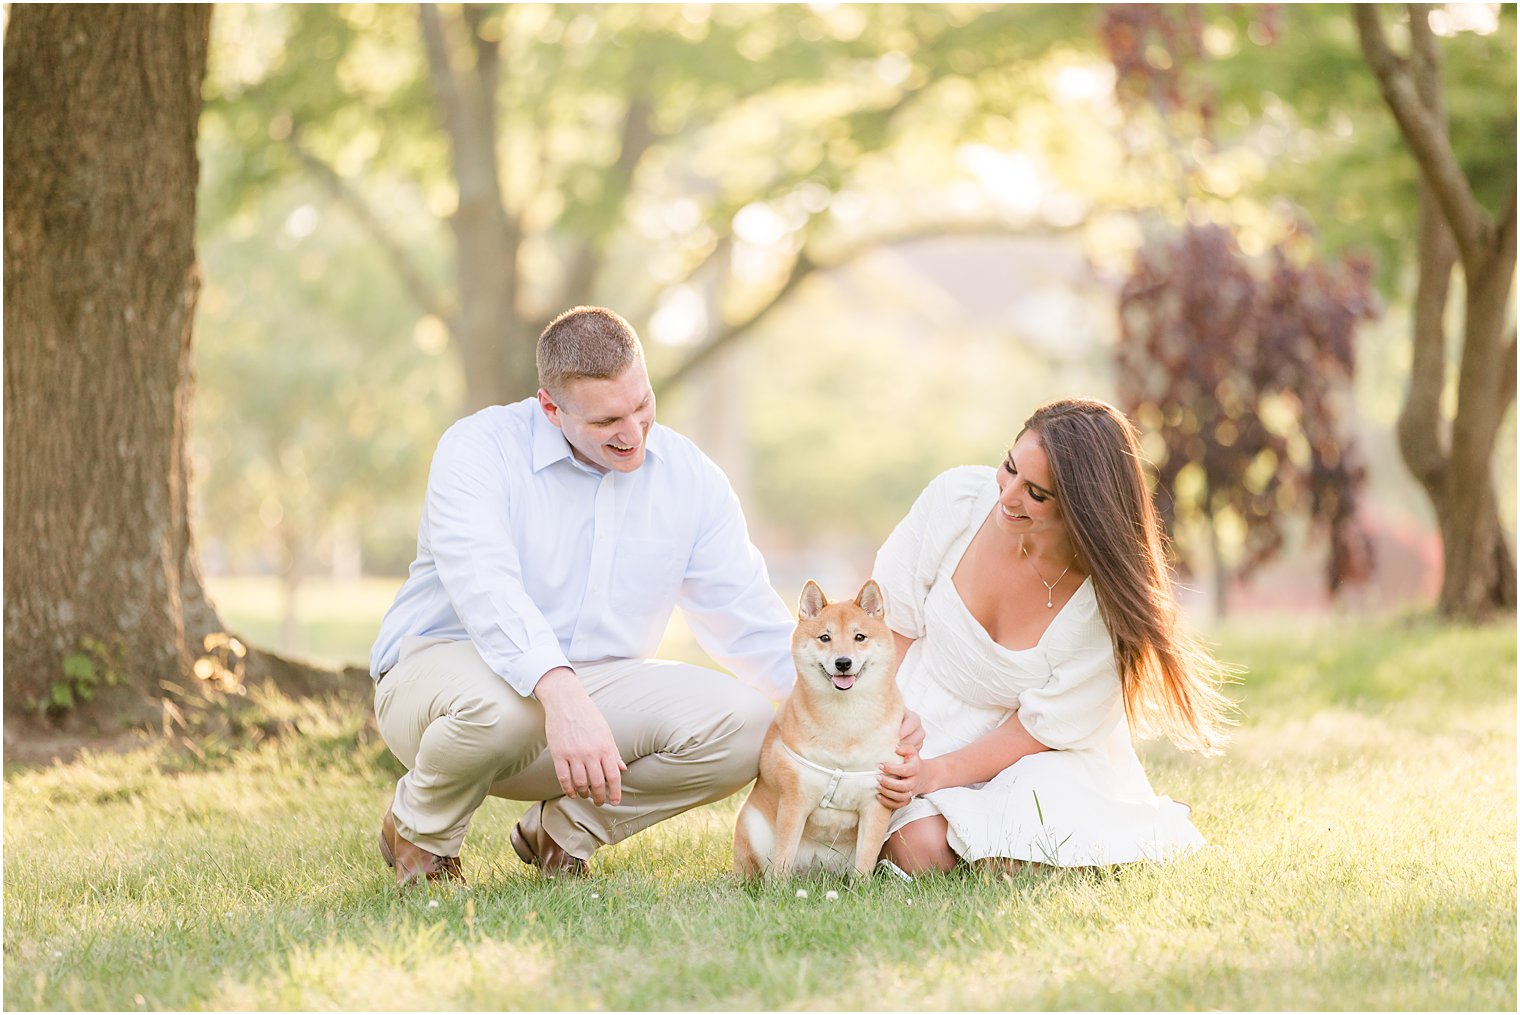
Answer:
(557, 535)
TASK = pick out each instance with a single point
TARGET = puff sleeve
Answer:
(909, 560)
(1082, 702)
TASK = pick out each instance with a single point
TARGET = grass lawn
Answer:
(1362, 856)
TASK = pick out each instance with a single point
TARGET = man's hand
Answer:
(900, 781)
(586, 759)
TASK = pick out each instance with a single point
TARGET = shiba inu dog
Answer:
(814, 804)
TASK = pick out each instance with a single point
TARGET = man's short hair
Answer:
(585, 342)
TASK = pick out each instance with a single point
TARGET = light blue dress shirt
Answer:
(543, 561)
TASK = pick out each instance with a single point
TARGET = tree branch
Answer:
(406, 267)
(440, 66)
(487, 59)
(1424, 133)
(467, 108)
(635, 139)
(1507, 365)
(1504, 239)
(1421, 428)
(804, 267)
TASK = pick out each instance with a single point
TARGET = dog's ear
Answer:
(871, 599)
(812, 602)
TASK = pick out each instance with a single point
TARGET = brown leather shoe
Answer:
(537, 848)
(413, 863)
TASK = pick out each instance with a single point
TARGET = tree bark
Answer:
(1455, 469)
(102, 105)
(495, 348)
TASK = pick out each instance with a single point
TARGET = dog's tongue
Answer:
(844, 681)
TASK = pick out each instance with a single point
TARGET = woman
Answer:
(1036, 630)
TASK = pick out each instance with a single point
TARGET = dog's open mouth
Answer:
(844, 681)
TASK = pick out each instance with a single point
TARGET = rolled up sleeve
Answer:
(1081, 703)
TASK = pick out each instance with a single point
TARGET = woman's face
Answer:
(1027, 502)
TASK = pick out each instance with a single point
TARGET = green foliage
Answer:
(324, 382)
(94, 666)
(1294, 114)
(1340, 876)
(319, 398)
(310, 350)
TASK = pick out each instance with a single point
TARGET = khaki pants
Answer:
(688, 735)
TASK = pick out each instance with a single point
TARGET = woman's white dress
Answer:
(1086, 802)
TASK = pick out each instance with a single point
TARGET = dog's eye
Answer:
(859, 636)
(824, 637)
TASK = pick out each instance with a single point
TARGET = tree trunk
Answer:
(1479, 566)
(1455, 468)
(101, 108)
(102, 105)
(496, 351)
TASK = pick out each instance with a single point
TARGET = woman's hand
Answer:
(901, 781)
(893, 791)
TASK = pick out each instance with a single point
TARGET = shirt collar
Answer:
(550, 446)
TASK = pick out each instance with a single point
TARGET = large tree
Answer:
(102, 584)
(1204, 71)
(579, 155)
(1453, 457)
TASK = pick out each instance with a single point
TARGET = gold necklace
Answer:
(1050, 587)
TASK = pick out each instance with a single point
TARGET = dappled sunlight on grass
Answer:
(1362, 855)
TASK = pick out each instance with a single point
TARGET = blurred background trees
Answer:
(1241, 381)
(861, 244)
(1182, 67)
(1451, 452)
(577, 155)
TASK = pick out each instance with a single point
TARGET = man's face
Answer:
(606, 421)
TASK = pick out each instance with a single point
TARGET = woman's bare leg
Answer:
(922, 845)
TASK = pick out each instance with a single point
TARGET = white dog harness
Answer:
(836, 775)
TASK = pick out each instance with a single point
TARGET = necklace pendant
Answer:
(1050, 601)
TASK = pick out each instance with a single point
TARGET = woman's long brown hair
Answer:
(1171, 683)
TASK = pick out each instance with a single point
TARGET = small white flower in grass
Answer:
(432, 903)
(596, 895)
(831, 896)
(58, 955)
(802, 893)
